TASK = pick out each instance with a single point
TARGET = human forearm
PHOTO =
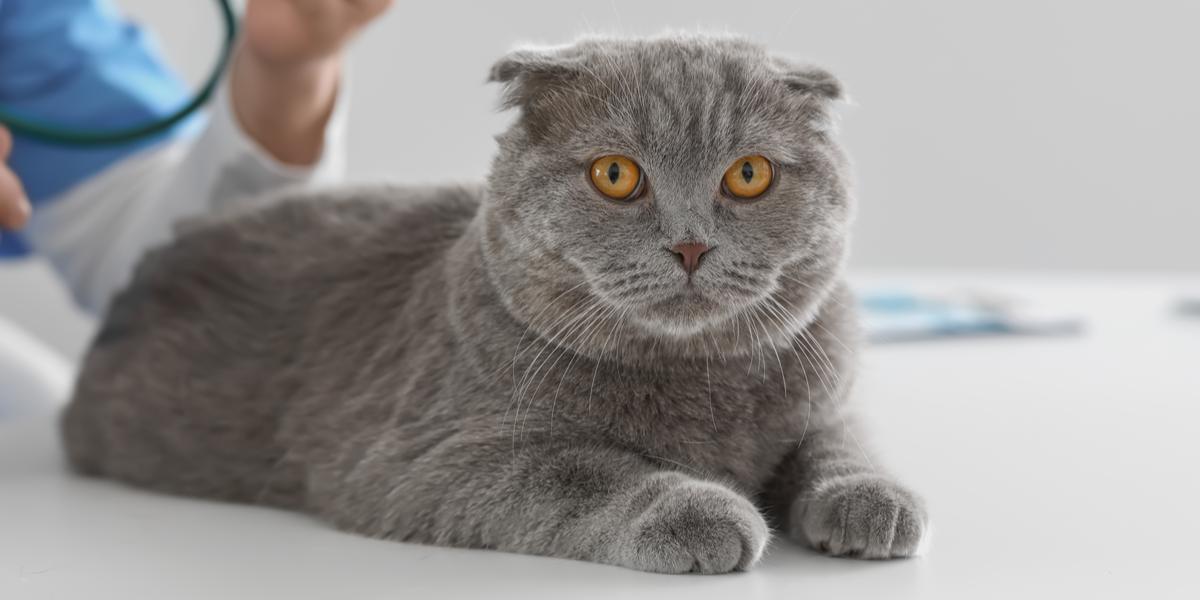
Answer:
(285, 107)
(96, 233)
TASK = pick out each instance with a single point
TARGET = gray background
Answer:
(1014, 135)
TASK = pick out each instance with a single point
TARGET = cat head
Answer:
(677, 189)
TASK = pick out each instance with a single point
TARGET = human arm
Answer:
(276, 123)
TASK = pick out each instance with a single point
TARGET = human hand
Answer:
(14, 206)
(297, 32)
(286, 70)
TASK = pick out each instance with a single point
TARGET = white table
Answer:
(1055, 467)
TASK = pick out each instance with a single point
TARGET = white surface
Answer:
(1057, 467)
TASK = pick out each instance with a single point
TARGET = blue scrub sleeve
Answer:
(78, 63)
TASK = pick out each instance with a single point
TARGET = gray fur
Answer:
(525, 366)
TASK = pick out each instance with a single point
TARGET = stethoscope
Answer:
(47, 132)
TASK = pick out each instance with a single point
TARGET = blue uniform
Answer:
(78, 64)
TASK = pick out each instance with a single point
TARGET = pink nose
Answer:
(689, 255)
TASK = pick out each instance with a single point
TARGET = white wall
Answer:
(1007, 134)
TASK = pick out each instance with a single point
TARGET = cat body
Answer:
(525, 366)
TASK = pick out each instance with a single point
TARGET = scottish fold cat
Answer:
(631, 346)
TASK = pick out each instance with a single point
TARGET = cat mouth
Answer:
(685, 313)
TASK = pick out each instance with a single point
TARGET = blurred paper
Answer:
(900, 315)
(1189, 305)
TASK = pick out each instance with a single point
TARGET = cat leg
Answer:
(563, 499)
(829, 496)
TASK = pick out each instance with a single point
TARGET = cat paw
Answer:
(695, 527)
(861, 516)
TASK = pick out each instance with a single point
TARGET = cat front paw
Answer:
(861, 516)
(695, 527)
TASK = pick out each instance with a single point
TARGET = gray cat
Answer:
(631, 347)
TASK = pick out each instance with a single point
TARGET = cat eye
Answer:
(617, 177)
(748, 177)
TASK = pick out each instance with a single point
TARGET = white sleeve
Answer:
(96, 232)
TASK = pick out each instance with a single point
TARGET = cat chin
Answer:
(688, 314)
(675, 328)
(681, 326)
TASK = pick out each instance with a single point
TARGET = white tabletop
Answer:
(1054, 467)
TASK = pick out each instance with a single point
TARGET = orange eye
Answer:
(749, 177)
(617, 177)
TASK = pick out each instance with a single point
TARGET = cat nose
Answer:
(689, 254)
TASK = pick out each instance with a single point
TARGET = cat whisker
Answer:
(532, 321)
(778, 319)
(553, 344)
(801, 330)
(846, 429)
(583, 340)
(744, 278)
(822, 294)
(558, 330)
(570, 313)
(803, 368)
(825, 360)
(833, 336)
(810, 339)
(600, 360)
(712, 413)
(818, 366)
(591, 335)
(810, 399)
(751, 340)
(738, 291)
(805, 337)
(775, 349)
(717, 345)
(763, 340)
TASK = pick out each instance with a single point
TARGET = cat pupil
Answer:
(747, 171)
(614, 172)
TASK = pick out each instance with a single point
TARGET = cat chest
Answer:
(731, 428)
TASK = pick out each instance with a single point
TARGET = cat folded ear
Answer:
(530, 73)
(808, 79)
